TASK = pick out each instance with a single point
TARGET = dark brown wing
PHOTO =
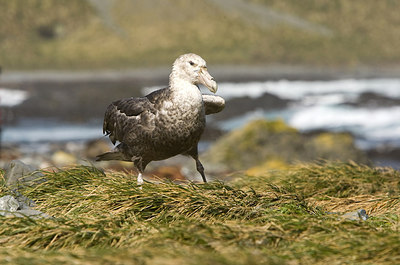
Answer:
(127, 115)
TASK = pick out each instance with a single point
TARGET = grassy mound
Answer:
(280, 217)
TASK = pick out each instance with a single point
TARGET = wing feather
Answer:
(126, 117)
(213, 104)
(124, 114)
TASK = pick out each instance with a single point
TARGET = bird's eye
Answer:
(191, 63)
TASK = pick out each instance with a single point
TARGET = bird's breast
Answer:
(188, 115)
(181, 118)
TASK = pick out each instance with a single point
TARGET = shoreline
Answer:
(223, 73)
(79, 97)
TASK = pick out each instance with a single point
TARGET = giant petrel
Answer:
(166, 122)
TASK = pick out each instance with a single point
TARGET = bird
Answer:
(166, 122)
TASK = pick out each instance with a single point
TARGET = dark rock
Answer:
(50, 95)
(370, 99)
(385, 155)
(50, 31)
(238, 106)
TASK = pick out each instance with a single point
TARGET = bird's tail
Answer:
(114, 155)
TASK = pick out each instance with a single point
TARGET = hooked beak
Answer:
(206, 79)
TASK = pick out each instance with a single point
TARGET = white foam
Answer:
(297, 90)
(376, 126)
(12, 97)
(327, 99)
(329, 117)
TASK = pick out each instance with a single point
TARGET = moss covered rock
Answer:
(261, 141)
(334, 146)
(253, 144)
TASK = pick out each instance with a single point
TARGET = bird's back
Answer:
(154, 127)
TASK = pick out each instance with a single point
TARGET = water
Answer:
(316, 105)
(44, 131)
(309, 90)
(329, 105)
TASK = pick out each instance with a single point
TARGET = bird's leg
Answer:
(200, 169)
(194, 154)
(140, 179)
(140, 168)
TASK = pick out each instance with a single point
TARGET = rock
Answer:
(334, 146)
(31, 213)
(359, 215)
(261, 144)
(374, 100)
(11, 207)
(236, 107)
(253, 144)
(24, 202)
(18, 173)
(8, 203)
(61, 159)
(385, 155)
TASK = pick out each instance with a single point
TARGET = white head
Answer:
(192, 68)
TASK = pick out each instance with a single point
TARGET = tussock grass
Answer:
(335, 179)
(278, 218)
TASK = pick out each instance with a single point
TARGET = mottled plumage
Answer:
(166, 122)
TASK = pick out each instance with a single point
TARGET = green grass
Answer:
(278, 218)
(138, 34)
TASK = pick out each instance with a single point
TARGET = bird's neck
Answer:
(185, 91)
(180, 84)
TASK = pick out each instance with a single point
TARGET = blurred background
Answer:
(326, 68)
